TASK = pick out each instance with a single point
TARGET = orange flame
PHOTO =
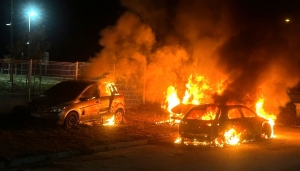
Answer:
(198, 90)
(232, 137)
(110, 121)
(262, 113)
(172, 99)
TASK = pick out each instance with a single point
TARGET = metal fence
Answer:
(32, 77)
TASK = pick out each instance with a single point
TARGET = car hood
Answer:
(48, 101)
(182, 108)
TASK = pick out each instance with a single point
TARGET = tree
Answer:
(35, 49)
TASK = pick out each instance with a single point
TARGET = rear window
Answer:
(207, 113)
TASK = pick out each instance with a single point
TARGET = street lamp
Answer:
(30, 14)
(289, 22)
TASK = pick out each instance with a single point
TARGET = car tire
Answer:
(118, 116)
(266, 131)
(71, 120)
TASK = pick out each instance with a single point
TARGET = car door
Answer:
(236, 119)
(90, 103)
(105, 99)
(251, 121)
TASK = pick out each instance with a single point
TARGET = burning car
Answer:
(217, 124)
(69, 102)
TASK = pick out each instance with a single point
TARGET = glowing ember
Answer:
(178, 140)
(193, 142)
(110, 121)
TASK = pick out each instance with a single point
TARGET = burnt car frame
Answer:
(208, 123)
(69, 102)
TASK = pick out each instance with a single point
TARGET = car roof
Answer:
(81, 81)
(220, 105)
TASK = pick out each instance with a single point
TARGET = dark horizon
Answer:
(73, 28)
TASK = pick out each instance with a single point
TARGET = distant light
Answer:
(8, 24)
(287, 20)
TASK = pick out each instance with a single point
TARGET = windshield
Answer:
(206, 113)
(66, 90)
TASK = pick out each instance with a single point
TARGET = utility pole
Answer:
(11, 44)
(11, 27)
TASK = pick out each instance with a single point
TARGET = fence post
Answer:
(29, 78)
(11, 77)
(144, 86)
(76, 70)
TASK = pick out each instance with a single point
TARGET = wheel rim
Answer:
(71, 121)
(118, 117)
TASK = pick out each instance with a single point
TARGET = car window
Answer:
(107, 89)
(248, 113)
(234, 113)
(66, 90)
(208, 113)
(104, 91)
(91, 92)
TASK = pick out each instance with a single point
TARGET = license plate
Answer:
(36, 114)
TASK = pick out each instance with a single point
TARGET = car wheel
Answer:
(118, 117)
(71, 120)
(266, 131)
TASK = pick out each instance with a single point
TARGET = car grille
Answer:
(42, 108)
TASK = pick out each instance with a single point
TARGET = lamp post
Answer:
(11, 29)
(11, 44)
(289, 35)
(30, 14)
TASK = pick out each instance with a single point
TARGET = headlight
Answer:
(57, 109)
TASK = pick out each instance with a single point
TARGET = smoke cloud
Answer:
(161, 43)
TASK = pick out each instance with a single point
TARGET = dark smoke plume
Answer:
(161, 43)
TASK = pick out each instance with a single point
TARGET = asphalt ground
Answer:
(65, 154)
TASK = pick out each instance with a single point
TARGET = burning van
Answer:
(217, 124)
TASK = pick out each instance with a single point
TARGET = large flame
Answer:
(171, 98)
(262, 113)
(199, 90)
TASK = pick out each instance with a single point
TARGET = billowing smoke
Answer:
(161, 43)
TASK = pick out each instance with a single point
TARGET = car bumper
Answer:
(57, 117)
(196, 137)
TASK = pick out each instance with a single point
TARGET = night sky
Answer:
(72, 27)
(245, 43)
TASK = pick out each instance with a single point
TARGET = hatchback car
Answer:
(69, 102)
(209, 123)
